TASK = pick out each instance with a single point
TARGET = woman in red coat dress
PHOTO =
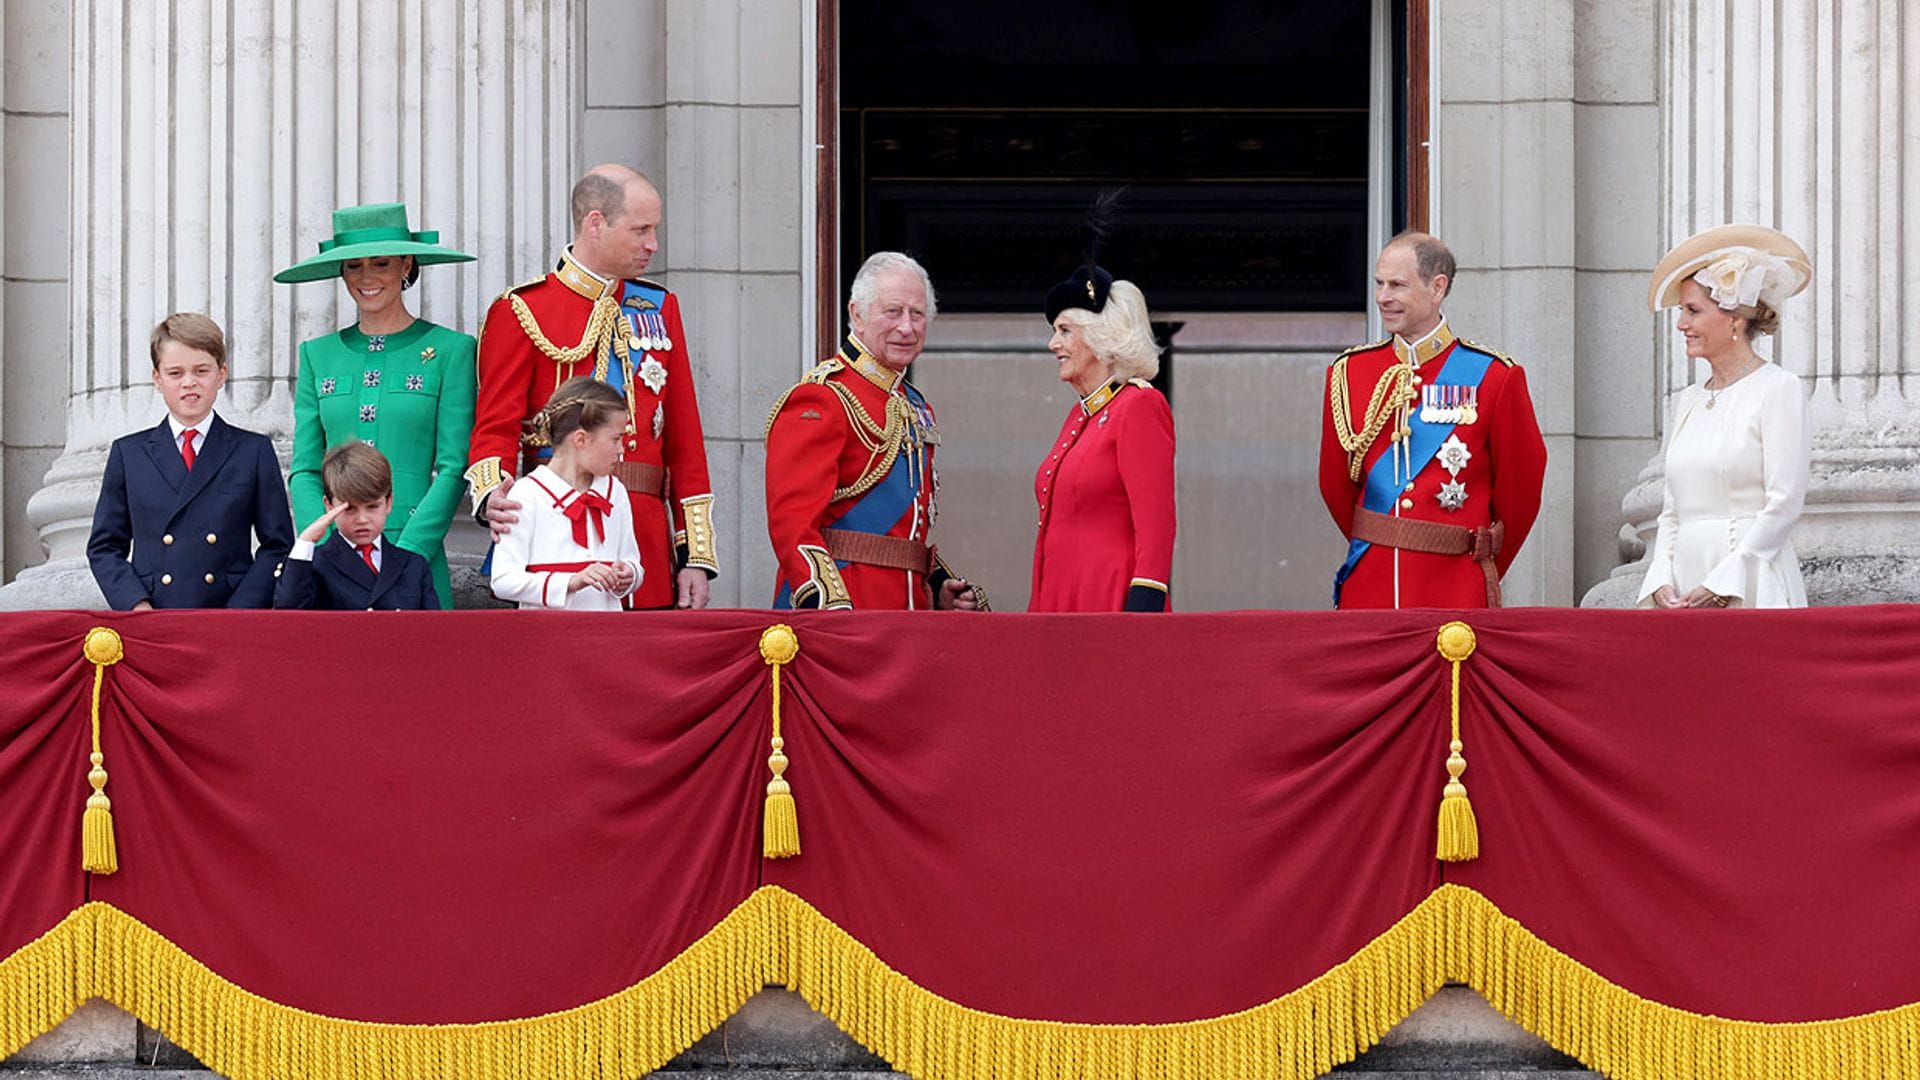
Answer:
(1106, 487)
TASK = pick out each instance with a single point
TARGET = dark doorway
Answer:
(976, 135)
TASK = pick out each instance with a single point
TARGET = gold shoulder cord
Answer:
(881, 440)
(1392, 393)
(595, 340)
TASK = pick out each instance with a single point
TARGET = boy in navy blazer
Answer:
(182, 502)
(356, 568)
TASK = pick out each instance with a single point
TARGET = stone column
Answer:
(211, 139)
(1802, 114)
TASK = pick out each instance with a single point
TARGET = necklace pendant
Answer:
(1710, 402)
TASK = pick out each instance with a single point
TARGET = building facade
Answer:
(170, 157)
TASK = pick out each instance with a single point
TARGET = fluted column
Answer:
(211, 141)
(1804, 115)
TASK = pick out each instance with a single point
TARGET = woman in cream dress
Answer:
(1738, 447)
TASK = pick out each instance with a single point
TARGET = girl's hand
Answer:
(598, 576)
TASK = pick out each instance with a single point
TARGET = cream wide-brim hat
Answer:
(1702, 249)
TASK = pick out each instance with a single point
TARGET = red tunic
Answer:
(820, 446)
(518, 374)
(1106, 503)
(1502, 479)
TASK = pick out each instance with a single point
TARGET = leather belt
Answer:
(892, 552)
(640, 478)
(1482, 544)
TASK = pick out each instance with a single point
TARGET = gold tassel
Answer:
(98, 853)
(780, 823)
(1459, 834)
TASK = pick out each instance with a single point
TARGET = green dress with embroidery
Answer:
(410, 394)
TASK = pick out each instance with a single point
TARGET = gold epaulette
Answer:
(1368, 347)
(1495, 353)
(527, 284)
(818, 375)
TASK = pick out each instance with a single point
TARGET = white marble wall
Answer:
(1800, 114)
(33, 271)
(211, 140)
(1545, 149)
(713, 100)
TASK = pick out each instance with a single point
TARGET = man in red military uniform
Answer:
(850, 481)
(594, 315)
(1431, 460)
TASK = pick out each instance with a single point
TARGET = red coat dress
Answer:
(1500, 458)
(628, 333)
(850, 449)
(1105, 493)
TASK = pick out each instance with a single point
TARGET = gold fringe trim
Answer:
(101, 951)
(45, 980)
(1297, 1036)
(774, 936)
(1627, 1037)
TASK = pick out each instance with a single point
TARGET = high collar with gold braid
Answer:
(1392, 394)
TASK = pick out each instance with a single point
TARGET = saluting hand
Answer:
(312, 533)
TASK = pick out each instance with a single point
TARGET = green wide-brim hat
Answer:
(364, 232)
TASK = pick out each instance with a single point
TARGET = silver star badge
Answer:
(1454, 456)
(659, 418)
(654, 374)
(1453, 495)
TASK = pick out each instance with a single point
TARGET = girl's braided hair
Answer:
(580, 404)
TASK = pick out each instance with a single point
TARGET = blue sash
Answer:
(884, 504)
(1462, 367)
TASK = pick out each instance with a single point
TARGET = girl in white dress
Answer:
(573, 546)
(1738, 449)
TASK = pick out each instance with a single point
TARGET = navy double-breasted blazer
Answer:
(184, 539)
(337, 579)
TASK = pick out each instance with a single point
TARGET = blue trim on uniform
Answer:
(1463, 366)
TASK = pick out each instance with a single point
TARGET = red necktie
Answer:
(366, 556)
(186, 447)
(588, 502)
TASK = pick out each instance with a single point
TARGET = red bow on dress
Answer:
(588, 502)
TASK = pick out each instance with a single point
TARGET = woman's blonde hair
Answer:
(1121, 334)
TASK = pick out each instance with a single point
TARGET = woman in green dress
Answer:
(400, 384)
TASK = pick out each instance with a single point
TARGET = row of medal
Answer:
(649, 332)
(1449, 404)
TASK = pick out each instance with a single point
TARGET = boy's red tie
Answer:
(186, 447)
(366, 556)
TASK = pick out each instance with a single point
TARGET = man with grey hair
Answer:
(850, 480)
(595, 315)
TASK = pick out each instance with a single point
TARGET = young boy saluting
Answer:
(356, 568)
(181, 502)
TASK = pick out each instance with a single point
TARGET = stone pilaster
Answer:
(211, 139)
(1799, 114)
(713, 100)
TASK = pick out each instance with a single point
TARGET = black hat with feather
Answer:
(1087, 287)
